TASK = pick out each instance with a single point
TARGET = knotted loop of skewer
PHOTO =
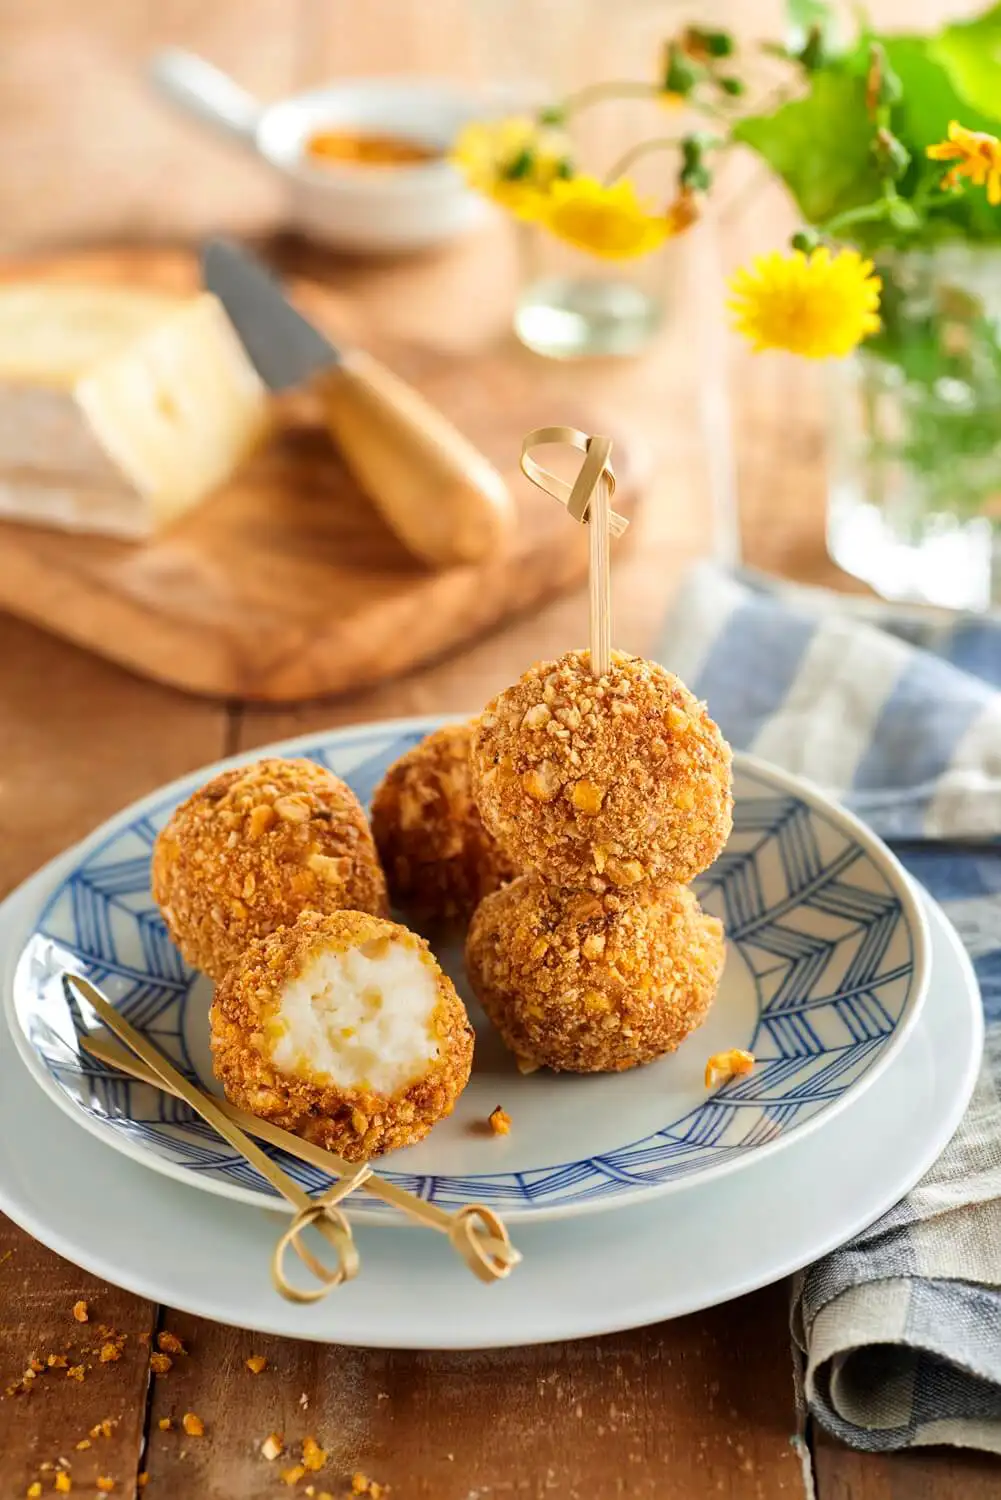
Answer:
(577, 496)
(588, 500)
(482, 1240)
(328, 1220)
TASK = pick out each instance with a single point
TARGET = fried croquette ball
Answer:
(588, 982)
(344, 1030)
(254, 848)
(439, 859)
(603, 782)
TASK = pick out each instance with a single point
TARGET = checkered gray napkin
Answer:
(897, 714)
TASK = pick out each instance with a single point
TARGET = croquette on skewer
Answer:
(439, 859)
(603, 782)
(254, 848)
(590, 982)
(344, 1030)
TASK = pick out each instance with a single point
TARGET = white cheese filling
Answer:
(358, 1019)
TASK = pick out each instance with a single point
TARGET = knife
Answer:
(444, 500)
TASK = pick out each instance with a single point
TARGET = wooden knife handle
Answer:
(444, 500)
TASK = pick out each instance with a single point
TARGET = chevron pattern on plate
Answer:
(810, 913)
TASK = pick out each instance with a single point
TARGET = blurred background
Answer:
(108, 177)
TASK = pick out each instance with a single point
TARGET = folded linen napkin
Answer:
(898, 715)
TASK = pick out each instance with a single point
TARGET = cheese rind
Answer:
(164, 414)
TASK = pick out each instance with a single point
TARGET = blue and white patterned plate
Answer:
(826, 972)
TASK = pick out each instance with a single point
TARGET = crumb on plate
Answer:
(500, 1121)
(723, 1066)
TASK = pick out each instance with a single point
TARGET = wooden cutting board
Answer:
(286, 585)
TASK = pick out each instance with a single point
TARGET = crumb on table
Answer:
(160, 1363)
(256, 1363)
(272, 1445)
(293, 1475)
(169, 1343)
(313, 1456)
(500, 1121)
(81, 1311)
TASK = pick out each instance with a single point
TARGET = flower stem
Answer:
(644, 148)
(595, 93)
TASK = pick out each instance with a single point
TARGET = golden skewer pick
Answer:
(321, 1212)
(588, 500)
(475, 1231)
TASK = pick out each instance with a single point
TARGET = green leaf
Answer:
(970, 52)
(819, 145)
(802, 16)
(930, 101)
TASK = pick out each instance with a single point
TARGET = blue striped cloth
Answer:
(898, 715)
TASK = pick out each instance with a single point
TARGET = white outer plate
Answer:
(662, 1260)
(826, 972)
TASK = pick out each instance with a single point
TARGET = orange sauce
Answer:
(357, 149)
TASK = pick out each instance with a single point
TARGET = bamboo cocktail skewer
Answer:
(588, 500)
(321, 1212)
(477, 1233)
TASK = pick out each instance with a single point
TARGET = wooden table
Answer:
(700, 1407)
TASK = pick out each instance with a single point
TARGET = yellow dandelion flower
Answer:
(609, 221)
(977, 156)
(819, 305)
(514, 161)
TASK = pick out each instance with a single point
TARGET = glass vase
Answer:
(915, 436)
(571, 304)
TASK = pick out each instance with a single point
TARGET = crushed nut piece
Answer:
(293, 1475)
(500, 1121)
(81, 1311)
(75, 1372)
(57, 1361)
(313, 1456)
(83, 1445)
(193, 1426)
(362, 1485)
(105, 1428)
(272, 1446)
(105, 1484)
(63, 1483)
(723, 1066)
(169, 1343)
(165, 1424)
(256, 1363)
(110, 1352)
(160, 1363)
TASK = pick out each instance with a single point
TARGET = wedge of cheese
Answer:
(119, 409)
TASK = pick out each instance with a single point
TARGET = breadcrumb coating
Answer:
(358, 1123)
(439, 859)
(588, 982)
(254, 848)
(604, 782)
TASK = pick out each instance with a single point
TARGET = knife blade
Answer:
(445, 501)
(285, 349)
